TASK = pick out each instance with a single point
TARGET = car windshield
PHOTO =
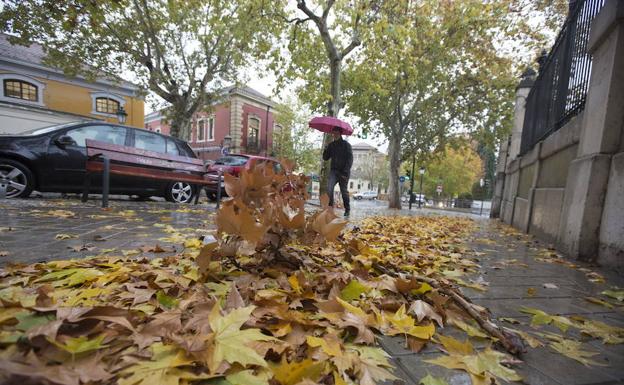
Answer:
(232, 160)
(45, 130)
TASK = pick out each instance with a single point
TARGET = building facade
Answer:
(368, 166)
(34, 95)
(244, 117)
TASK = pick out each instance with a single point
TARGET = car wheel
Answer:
(180, 192)
(17, 177)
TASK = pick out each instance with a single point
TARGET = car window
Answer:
(172, 148)
(45, 130)
(232, 161)
(148, 141)
(185, 150)
(107, 134)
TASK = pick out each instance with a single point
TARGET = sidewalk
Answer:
(34, 230)
(509, 266)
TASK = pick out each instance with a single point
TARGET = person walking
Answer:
(341, 155)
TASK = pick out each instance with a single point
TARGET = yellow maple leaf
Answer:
(329, 345)
(403, 323)
(229, 343)
(290, 373)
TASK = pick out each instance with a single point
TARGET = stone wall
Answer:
(569, 189)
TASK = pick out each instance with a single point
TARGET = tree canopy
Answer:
(293, 139)
(431, 69)
(455, 168)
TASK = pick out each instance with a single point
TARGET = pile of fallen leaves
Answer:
(278, 298)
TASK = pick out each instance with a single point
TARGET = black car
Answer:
(52, 159)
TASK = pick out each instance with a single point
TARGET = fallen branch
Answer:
(486, 324)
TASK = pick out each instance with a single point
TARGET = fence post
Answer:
(219, 189)
(105, 181)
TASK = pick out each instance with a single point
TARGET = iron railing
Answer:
(560, 90)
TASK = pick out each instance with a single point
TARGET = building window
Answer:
(20, 89)
(106, 105)
(210, 134)
(253, 129)
(205, 129)
(201, 130)
(350, 184)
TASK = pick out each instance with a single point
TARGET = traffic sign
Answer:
(402, 179)
(439, 189)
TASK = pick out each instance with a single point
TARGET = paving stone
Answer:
(518, 292)
(495, 280)
(566, 370)
(398, 371)
(511, 308)
(417, 369)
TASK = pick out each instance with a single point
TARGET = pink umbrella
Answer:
(326, 123)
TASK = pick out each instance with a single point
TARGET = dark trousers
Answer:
(342, 182)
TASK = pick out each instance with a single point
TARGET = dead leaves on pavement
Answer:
(271, 301)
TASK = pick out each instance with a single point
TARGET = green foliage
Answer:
(181, 51)
(293, 140)
(430, 69)
(456, 169)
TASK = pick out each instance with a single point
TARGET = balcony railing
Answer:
(560, 90)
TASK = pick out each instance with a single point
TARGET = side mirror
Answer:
(64, 140)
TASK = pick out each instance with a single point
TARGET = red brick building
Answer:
(245, 116)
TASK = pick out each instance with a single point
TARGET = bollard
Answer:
(105, 181)
(219, 189)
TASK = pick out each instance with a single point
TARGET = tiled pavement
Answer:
(28, 229)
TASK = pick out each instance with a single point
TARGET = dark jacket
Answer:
(339, 151)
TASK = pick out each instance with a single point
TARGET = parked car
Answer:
(365, 195)
(233, 164)
(415, 199)
(52, 159)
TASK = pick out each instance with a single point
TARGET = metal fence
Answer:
(560, 90)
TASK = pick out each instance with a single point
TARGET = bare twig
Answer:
(485, 323)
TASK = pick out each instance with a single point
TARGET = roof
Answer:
(249, 92)
(242, 90)
(34, 55)
(362, 146)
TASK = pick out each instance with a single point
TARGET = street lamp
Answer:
(421, 172)
(121, 115)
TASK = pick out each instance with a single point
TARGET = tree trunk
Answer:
(181, 127)
(394, 152)
(180, 120)
(332, 110)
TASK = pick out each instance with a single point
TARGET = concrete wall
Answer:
(611, 247)
(547, 206)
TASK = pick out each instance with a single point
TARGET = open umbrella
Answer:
(326, 123)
